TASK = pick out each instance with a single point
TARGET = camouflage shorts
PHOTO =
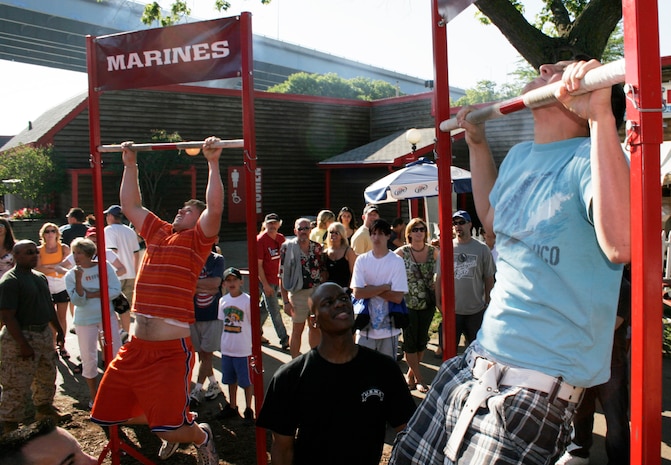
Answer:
(18, 377)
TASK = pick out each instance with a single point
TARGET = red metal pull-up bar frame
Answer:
(243, 42)
(644, 135)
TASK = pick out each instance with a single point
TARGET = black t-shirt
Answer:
(339, 411)
(70, 232)
(27, 292)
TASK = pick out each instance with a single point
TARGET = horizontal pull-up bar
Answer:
(225, 144)
(598, 78)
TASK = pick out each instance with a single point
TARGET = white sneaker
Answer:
(196, 395)
(213, 390)
(207, 453)
(568, 459)
(167, 449)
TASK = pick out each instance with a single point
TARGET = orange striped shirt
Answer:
(166, 282)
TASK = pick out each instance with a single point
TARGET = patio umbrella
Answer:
(418, 179)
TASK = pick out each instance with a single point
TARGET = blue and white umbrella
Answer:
(418, 179)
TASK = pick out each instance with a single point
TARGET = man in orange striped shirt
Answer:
(149, 380)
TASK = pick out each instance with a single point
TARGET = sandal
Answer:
(77, 370)
(423, 388)
(64, 354)
(412, 382)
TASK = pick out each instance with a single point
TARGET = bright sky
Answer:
(392, 34)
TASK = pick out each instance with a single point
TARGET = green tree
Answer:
(31, 173)
(178, 9)
(332, 85)
(484, 91)
(524, 73)
(563, 29)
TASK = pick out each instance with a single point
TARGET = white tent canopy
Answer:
(418, 179)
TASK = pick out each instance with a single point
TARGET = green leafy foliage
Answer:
(31, 173)
(178, 10)
(332, 85)
(152, 12)
(615, 47)
(488, 91)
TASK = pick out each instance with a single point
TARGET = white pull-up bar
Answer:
(225, 144)
(598, 78)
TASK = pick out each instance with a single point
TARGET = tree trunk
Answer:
(588, 34)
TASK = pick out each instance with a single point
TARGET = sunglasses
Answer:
(49, 231)
(304, 228)
(335, 233)
(418, 230)
(459, 223)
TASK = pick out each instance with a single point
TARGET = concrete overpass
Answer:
(52, 33)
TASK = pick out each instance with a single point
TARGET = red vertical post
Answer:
(441, 95)
(644, 134)
(413, 205)
(96, 165)
(251, 215)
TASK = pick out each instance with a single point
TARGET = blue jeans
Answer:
(614, 398)
(271, 305)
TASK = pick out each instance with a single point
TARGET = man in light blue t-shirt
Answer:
(560, 210)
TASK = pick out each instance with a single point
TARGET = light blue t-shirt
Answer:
(554, 303)
(88, 311)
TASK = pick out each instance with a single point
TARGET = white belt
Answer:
(489, 376)
(525, 378)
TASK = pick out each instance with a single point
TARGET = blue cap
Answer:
(113, 210)
(462, 214)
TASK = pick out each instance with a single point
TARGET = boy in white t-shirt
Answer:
(236, 344)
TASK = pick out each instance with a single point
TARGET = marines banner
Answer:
(191, 52)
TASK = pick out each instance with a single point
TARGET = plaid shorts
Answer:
(518, 425)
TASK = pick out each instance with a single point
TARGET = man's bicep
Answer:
(136, 215)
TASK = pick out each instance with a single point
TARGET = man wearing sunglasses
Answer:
(548, 331)
(302, 269)
(473, 277)
(27, 354)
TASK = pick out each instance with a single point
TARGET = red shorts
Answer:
(147, 378)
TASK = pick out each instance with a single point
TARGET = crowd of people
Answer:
(536, 310)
